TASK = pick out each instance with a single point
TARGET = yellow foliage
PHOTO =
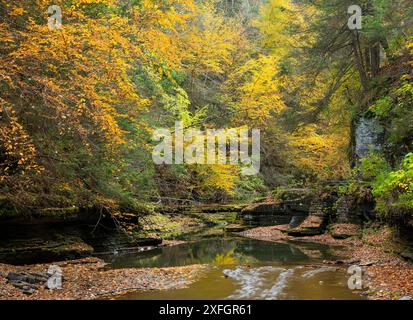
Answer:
(260, 95)
(322, 154)
(224, 259)
(217, 177)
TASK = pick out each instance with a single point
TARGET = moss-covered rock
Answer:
(63, 213)
(156, 226)
(219, 208)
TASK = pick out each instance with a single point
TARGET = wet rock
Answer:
(148, 248)
(145, 242)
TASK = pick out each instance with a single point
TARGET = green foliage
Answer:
(401, 127)
(249, 187)
(393, 189)
(396, 188)
(374, 167)
(395, 109)
(382, 107)
(156, 225)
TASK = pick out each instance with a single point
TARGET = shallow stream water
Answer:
(247, 269)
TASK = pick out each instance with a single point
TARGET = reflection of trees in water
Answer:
(269, 251)
(199, 252)
(241, 251)
(316, 250)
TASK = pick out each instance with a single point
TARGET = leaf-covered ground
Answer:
(89, 279)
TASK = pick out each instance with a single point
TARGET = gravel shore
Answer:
(88, 278)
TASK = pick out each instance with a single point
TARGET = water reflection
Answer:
(225, 251)
(246, 269)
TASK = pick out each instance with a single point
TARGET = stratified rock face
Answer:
(347, 211)
(292, 200)
(265, 208)
(368, 136)
(53, 248)
(314, 224)
(320, 215)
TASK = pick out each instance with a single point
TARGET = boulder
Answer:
(343, 231)
(407, 254)
(312, 226)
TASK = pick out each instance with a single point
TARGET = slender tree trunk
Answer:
(359, 61)
(367, 58)
(385, 44)
(375, 58)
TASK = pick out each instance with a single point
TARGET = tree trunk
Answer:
(375, 58)
(359, 61)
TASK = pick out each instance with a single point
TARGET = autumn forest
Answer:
(329, 88)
